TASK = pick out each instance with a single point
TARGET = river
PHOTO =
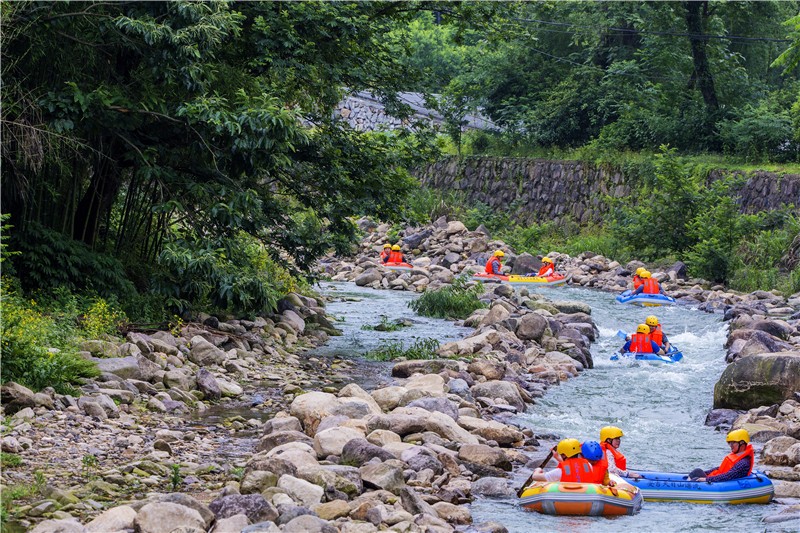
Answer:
(661, 408)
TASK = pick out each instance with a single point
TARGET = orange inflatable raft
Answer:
(581, 499)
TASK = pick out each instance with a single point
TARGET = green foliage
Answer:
(761, 133)
(47, 260)
(790, 57)
(175, 477)
(457, 300)
(89, 466)
(10, 460)
(392, 350)
(38, 350)
(658, 219)
(385, 325)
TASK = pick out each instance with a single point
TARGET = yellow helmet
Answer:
(499, 253)
(651, 321)
(738, 435)
(643, 328)
(387, 245)
(639, 271)
(396, 247)
(547, 260)
(569, 447)
(645, 274)
(610, 432)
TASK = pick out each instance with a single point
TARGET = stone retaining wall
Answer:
(539, 189)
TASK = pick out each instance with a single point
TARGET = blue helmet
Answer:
(592, 450)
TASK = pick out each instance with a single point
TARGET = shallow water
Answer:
(660, 407)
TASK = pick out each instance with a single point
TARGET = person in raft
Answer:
(571, 465)
(495, 264)
(737, 464)
(650, 285)
(395, 256)
(640, 342)
(593, 452)
(637, 278)
(547, 269)
(656, 334)
(387, 249)
(610, 440)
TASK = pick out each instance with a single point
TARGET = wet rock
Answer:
(759, 379)
(499, 389)
(207, 384)
(368, 277)
(406, 369)
(781, 451)
(721, 417)
(492, 487)
(484, 455)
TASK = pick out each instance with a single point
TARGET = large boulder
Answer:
(531, 327)
(525, 264)
(759, 379)
(16, 397)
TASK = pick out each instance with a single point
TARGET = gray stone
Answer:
(358, 451)
(254, 506)
(164, 516)
(204, 353)
(493, 487)
(759, 379)
(207, 384)
(59, 526)
(114, 519)
(15, 397)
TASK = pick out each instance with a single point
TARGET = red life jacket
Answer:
(637, 282)
(733, 458)
(577, 470)
(600, 471)
(385, 254)
(546, 270)
(491, 260)
(619, 459)
(396, 257)
(640, 343)
(656, 335)
(651, 286)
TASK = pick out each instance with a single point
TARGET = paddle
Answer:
(546, 460)
(622, 335)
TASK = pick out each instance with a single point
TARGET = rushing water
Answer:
(661, 408)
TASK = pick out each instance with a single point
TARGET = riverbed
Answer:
(660, 407)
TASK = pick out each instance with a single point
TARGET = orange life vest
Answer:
(396, 257)
(600, 471)
(491, 260)
(651, 286)
(546, 270)
(576, 470)
(657, 335)
(733, 458)
(385, 254)
(640, 343)
(637, 282)
(619, 459)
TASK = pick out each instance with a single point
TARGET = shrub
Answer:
(391, 350)
(457, 300)
(761, 133)
(37, 351)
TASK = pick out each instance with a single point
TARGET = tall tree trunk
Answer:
(696, 13)
(99, 196)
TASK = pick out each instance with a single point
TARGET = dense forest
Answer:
(160, 158)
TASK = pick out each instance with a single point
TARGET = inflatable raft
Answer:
(398, 266)
(672, 356)
(671, 487)
(581, 499)
(554, 280)
(645, 300)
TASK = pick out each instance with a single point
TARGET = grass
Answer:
(458, 300)
(385, 325)
(392, 350)
(10, 460)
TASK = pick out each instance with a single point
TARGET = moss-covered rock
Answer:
(758, 379)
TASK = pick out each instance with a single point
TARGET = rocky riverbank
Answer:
(127, 454)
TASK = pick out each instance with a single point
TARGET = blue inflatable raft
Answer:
(645, 300)
(672, 356)
(671, 487)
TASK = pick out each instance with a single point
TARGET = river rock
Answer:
(499, 389)
(300, 490)
(531, 327)
(278, 438)
(160, 517)
(59, 526)
(440, 404)
(492, 487)
(484, 455)
(406, 369)
(570, 307)
(492, 430)
(208, 385)
(254, 506)
(781, 451)
(312, 407)
(332, 441)
(16, 397)
(759, 379)
(204, 353)
(382, 476)
(358, 451)
(114, 519)
(233, 524)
